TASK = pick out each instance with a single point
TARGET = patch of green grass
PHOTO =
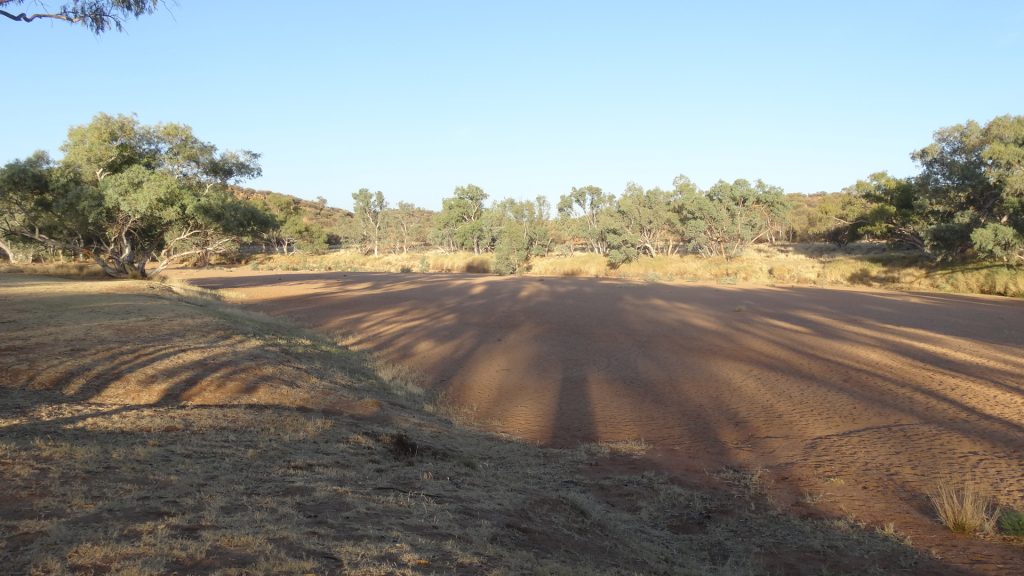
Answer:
(1011, 522)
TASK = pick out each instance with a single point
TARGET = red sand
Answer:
(856, 402)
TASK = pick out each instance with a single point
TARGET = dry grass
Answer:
(353, 261)
(61, 269)
(629, 448)
(810, 264)
(583, 265)
(963, 509)
(145, 431)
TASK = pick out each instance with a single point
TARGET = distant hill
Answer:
(317, 207)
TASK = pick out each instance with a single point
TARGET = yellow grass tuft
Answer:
(963, 509)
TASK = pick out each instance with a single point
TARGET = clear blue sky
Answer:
(525, 98)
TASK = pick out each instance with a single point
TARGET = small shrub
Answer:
(1011, 522)
(963, 509)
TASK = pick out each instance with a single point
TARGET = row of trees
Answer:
(127, 195)
(966, 202)
(721, 221)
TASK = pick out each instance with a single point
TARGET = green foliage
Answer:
(584, 214)
(407, 225)
(520, 230)
(370, 210)
(972, 178)
(969, 194)
(459, 225)
(647, 221)
(1011, 522)
(127, 193)
(839, 218)
(304, 236)
(620, 250)
(893, 210)
(998, 242)
(729, 217)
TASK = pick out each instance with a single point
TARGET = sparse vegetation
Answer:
(963, 508)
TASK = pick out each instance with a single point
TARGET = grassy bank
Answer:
(816, 265)
(147, 431)
(62, 269)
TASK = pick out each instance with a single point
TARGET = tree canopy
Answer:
(127, 193)
(967, 199)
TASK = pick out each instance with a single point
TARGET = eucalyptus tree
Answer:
(894, 212)
(521, 231)
(729, 217)
(460, 223)
(971, 188)
(648, 219)
(43, 204)
(408, 225)
(371, 210)
(126, 194)
(584, 213)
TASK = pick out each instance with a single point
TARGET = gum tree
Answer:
(126, 194)
(583, 213)
(371, 210)
(460, 222)
(729, 217)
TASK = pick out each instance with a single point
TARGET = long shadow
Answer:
(562, 361)
(721, 375)
(114, 354)
(448, 326)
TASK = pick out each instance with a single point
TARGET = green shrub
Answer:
(998, 242)
(1011, 522)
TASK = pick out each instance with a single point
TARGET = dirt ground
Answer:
(856, 403)
(148, 430)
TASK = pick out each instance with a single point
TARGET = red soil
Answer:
(856, 402)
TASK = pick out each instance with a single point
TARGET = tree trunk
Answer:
(6, 248)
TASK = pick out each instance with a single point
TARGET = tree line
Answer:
(136, 198)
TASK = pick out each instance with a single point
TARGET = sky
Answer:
(529, 98)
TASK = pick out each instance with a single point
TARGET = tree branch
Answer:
(23, 17)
